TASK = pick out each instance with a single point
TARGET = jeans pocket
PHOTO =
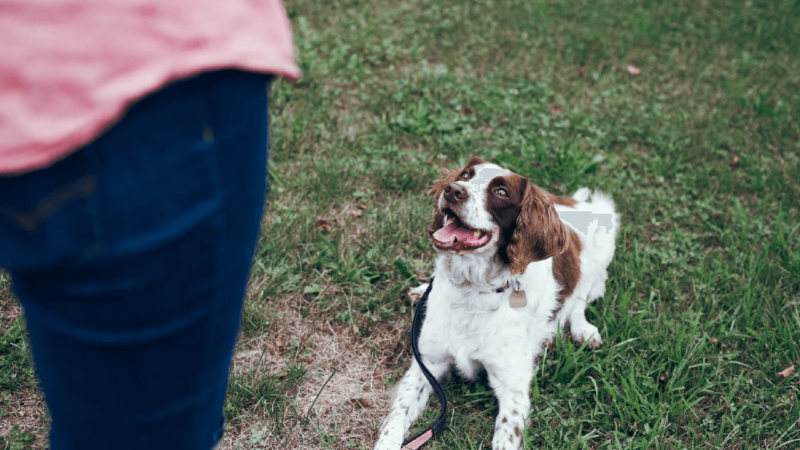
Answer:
(158, 170)
(46, 216)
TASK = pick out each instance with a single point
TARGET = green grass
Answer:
(701, 309)
(16, 373)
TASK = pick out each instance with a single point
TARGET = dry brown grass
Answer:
(352, 369)
(24, 408)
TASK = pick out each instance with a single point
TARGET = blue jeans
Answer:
(131, 257)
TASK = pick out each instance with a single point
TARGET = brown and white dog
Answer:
(514, 263)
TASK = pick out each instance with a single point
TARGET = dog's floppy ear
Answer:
(539, 234)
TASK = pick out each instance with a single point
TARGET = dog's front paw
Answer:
(390, 436)
(507, 439)
(415, 294)
(587, 332)
(387, 442)
(381, 445)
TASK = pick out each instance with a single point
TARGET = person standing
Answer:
(133, 166)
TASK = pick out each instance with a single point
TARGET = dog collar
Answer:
(497, 291)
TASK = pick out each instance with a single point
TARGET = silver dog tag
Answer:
(517, 299)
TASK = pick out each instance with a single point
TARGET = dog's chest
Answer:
(467, 326)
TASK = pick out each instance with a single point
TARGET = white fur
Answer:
(471, 329)
(597, 251)
(473, 213)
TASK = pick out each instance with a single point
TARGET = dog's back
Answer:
(595, 219)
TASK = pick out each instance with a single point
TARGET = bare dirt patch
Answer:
(343, 396)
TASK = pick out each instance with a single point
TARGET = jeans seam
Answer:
(48, 206)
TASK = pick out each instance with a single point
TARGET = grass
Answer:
(700, 150)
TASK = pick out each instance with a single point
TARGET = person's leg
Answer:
(132, 287)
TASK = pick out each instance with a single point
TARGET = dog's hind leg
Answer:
(582, 331)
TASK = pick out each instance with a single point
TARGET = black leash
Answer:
(438, 425)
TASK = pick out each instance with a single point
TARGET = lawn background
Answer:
(700, 150)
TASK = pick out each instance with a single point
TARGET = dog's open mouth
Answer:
(457, 236)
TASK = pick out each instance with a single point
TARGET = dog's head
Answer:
(482, 208)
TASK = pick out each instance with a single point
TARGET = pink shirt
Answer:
(69, 68)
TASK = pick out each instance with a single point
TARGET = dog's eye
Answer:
(501, 192)
(465, 176)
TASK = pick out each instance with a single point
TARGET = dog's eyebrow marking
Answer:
(485, 174)
(580, 220)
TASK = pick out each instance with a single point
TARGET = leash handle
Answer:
(421, 439)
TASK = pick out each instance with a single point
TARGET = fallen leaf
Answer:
(362, 402)
(786, 372)
(356, 213)
(466, 112)
(555, 110)
(323, 224)
(362, 206)
(633, 70)
(653, 238)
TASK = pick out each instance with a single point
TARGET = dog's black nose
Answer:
(455, 193)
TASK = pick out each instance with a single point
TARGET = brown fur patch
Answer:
(517, 431)
(506, 210)
(540, 233)
(567, 268)
(562, 200)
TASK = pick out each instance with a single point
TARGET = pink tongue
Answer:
(461, 233)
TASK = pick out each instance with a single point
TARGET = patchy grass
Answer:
(23, 418)
(701, 151)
